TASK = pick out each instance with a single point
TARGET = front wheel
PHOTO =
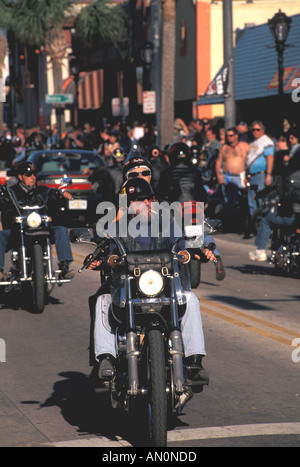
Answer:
(38, 278)
(157, 397)
(195, 272)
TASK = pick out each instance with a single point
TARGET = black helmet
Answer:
(134, 162)
(179, 152)
(137, 189)
(25, 168)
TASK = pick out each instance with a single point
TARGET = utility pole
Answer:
(229, 100)
(157, 65)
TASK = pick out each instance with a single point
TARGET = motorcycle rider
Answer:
(103, 346)
(116, 172)
(182, 181)
(28, 193)
(284, 216)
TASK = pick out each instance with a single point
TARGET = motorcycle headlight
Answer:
(34, 220)
(151, 283)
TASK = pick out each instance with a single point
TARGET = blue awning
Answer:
(255, 64)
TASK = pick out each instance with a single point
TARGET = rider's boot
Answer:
(66, 273)
(106, 367)
(195, 372)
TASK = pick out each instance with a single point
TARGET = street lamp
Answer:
(147, 55)
(280, 26)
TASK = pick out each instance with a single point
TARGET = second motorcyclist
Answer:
(27, 192)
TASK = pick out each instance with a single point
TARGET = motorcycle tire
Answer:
(38, 279)
(157, 397)
(195, 273)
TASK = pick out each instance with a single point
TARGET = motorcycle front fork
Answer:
(20, 262)
(132, 353)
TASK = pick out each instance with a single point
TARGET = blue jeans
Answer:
(265, 228)
(62, 244)
(258, 180)
(105, 331)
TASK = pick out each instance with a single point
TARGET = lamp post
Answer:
(280, 26)
(75, 69)
(147, 58)
(229, 97)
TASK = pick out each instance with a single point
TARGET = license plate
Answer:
(77, 204)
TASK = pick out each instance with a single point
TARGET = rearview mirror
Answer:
(213, 226)
(65, 181)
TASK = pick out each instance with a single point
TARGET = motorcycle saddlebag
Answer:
(139, 262)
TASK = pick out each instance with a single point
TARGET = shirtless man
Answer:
(230, 169)
(230, 164)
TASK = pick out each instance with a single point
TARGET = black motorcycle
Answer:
(32, 272)
(149, 291)
(286, 246)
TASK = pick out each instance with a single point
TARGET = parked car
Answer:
(52, 165)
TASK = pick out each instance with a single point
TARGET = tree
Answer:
(102, 23)
(37, 23)
(167, 71)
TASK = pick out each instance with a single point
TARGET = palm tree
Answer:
(36, 22)
(102, 23)
(167, 71)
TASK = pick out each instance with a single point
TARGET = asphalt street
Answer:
(251, 324)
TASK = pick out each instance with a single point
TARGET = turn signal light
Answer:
(184, 256)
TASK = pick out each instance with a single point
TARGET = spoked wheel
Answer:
(157, 397)
(38, 279)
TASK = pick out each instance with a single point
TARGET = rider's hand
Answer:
(94, 265)
(67, 195)
(208, 254)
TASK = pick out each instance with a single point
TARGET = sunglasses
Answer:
(256, 129)
(28, 173)
(231, 134)
(145, 173)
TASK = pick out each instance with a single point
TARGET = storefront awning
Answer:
(255, 65)
(90, 89)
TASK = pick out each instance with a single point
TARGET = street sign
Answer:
(149, 102)
(59, 99)
(120, 106)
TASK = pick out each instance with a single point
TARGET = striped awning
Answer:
(90, 89)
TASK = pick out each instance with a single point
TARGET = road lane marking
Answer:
(241, 324)
(190, 434)
(235, 431)
(246, 325)
(251, 318)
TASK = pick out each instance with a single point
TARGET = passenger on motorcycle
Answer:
(182, 181)
(284, 216)
(103, 342)
(28, 193)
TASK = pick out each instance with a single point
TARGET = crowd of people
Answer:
(199, 156)
(245, 157)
